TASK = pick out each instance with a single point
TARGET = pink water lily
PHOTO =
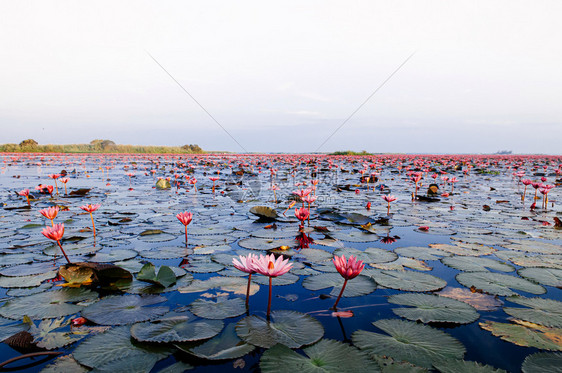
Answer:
(55, 233)
(185, 218)
(25, 193)
(90, 209)
(271, 267)
(50, 213)
(246, 264)
(388, 199)
(348, 269)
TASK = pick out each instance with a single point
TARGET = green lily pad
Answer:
(115, 344)
(325, 356)
(497, 283)
(369, 255)
(286, 279)
(408, 341)
(476, 264)
(526, 334)
(264, 212)
(165, 277)
(47, 305)
(26, 281)
(227, 345)
(28, 269)
(406, 280)
(176, 329)
(221, 309)
(543, 362)
(544, 276)
(360, 285)
(113, 256)
(547, 312)
(421, 253)
(290, 328)
(433, 308)
(461, 366)
(45, 336)
(236, 285)
(64, 364)
(124, 309)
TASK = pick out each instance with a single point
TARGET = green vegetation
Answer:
(350, 152)
(97, 146)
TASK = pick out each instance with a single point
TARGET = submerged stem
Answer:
(248, 291)
(269, 299)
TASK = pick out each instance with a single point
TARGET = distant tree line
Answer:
(97, 146)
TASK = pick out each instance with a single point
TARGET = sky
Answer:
(284, 76)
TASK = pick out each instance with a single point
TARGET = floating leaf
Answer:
(227, 345)
(406, 280)
(433, 308)
(547, 312)
(325, 356)
(176, 329)
(47, 305)
(461, 366)
(44, 334)
(93, 273)
(526, 334)
(543, 362)
(497, 283)
(221, 309)
(64, 364)
(407, 341)
(401, 264)
(235, 285)
(8, 328)
(26, 281)
(115, 344)
(264, 212)
(421, 253)
(482, 302)
(290, 328)
(165, 277)
(124, 309)
(471, 264)
(113, 256)
(369, 255)
(544, 276)
(360, 285)
(286, 279)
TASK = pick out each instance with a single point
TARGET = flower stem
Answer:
(63, 253)
(93, 225)
(339, 296)
(248, 291)
(269, 299)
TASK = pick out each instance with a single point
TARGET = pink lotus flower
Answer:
(246, 264)
(50, 213)
(271, 267)
(185, 218)
(55, 233)
(302, 214)
(348, 269)
(388, 199)
(64, 180)
(90, 209)
(25, 193)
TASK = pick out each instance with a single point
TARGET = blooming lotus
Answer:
(90, 209)
(50, 213)
(389, 199)
(246, 264)
(55, 233)
(185, 218)
(271, 267)
(302, 214)
(348, 269)
(25, 193)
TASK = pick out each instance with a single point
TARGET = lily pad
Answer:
(433, 308)
(325, 356)
(544, 276)
(264, 212)
(523, 333)
(221, 309)
(421, 253)
(227, 345)
(26, 281)
(461, 366)
(290, 328)
(547, 312)
(408, 341)
(472, 264)
(113, 256)
(543, 362)
(406, 280)
(64, 364)
(164, 278)
(10, 327)
(176, 329)
(124, 309)
(480, 301)
(47, 305)
(45, 336)
(369, 255)
(497, 283)
(360, 285)
(235, 285)
(115, 344)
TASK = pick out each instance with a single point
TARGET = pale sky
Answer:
(282, 76)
